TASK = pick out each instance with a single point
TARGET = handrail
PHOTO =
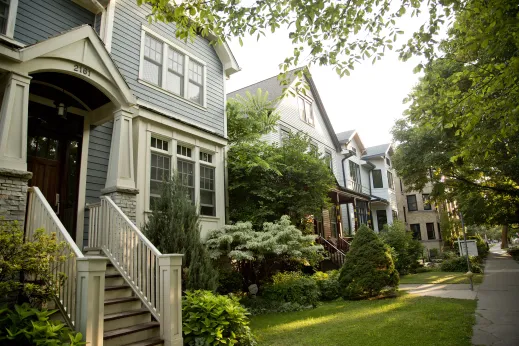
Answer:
(134, 256)
(343, 244)
(336, 255)
(131, 224)
(56, 220)
(41, 215)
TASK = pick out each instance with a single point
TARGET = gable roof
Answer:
(276, 92)
(377, 150)
(270, 85)
(346, 136)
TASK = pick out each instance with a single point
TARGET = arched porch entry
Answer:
(53, 92)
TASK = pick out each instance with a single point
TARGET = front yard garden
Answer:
(407, 320)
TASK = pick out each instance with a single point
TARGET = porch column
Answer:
(171, 300)
(120, 180)
(14, 93)
(13, 122)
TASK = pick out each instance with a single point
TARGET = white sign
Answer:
(469, 246)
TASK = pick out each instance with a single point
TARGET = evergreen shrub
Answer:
(292, 287)
(210, 319)
(174, 227)
(368, 269)
(328, 283)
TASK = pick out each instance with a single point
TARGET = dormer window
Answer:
(354, 150)
(305, 110)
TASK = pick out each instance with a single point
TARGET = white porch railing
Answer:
(153, 276)
(41, 215)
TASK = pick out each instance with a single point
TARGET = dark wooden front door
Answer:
(53, 157)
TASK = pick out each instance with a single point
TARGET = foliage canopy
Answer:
(325, 32)
(267, 180)
(462, 122)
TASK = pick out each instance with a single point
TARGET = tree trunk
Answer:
(504, 237)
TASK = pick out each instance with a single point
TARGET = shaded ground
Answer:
(440, 278)
(497, 314)
(406, 320)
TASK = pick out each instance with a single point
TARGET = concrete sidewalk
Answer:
(497, 313)
(457, 291)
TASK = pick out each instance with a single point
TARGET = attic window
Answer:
(354, 150)
(388, 161)
(305, 110)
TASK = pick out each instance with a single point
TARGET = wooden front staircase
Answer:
(127, 321)
(335, 255)
(120, 290)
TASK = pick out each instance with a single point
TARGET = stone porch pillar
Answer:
(120, 180)
(14, 92)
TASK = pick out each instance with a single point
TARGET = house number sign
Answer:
(82, 69)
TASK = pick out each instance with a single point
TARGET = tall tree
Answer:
(462, 124)
(267, 180)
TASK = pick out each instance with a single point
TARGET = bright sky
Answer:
(369, 100)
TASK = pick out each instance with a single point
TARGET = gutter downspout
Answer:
(344, 182)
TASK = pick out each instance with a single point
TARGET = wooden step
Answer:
(126, 319)
(148, 342)
(116, 305)
(114, 280)
(117, 291)
(136, 333)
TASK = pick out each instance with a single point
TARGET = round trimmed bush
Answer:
(369, 269)
(211, 319)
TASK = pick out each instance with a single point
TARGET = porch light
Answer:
(62, 110)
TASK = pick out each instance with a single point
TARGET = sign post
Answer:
(469, 273)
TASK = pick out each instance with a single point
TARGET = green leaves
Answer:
(26, 325)
(209, 319)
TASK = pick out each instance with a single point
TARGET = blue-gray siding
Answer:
(125, 50)
(97, 166)
(38, 20)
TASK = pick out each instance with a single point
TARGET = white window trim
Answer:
(149, 149)
(11, 19)
(311, 103)
(165, 54)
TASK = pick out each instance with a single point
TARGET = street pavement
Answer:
(497, 313)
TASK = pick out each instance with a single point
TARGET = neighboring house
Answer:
(352, 196)
(369, 172)
(305, 112)
(98, 105)
(420, 215)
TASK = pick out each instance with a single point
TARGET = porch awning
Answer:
(341, 195)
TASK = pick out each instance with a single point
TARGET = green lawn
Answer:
(439, 278)
(406, 320)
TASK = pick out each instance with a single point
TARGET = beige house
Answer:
(420, 215)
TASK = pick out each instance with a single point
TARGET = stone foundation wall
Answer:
(13, 194)
(126, 199)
